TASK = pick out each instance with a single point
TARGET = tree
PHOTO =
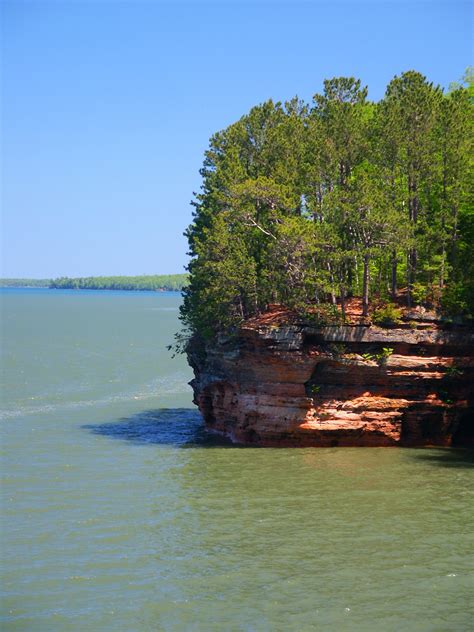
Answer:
(222, 289)
(366, 220)
(410, 109)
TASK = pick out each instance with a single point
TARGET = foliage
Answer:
(308, 205)
(387, 315)
(453, 371)
(456, 301)
(384, 355)
(419, 293)
(314, 390)
(337, 349)
(380, 358)
(321, 315)
(448, 384)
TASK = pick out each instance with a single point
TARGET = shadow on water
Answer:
(447, 457)
(184, 428)
(180, 427)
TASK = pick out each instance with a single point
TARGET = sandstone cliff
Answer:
(295, 385)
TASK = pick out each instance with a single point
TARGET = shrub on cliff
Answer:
(387, 316)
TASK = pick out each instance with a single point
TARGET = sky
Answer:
(108, 106)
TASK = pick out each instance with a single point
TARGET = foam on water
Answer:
(172, 385)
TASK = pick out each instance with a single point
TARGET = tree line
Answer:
(310, 204)
(169, 282)
(25, 282)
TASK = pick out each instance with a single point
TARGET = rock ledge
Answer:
(296, 385)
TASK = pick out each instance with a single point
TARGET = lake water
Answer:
(119, 513)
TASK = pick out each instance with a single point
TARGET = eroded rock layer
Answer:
(285, 385)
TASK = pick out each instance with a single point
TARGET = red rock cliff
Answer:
(295, 385)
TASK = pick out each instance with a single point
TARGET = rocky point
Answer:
(280, 382)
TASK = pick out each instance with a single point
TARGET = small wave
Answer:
(158, 388)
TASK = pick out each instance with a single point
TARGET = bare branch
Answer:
(252, 222)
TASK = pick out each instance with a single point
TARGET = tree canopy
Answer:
(309, 204)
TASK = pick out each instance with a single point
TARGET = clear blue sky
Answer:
(108, 108)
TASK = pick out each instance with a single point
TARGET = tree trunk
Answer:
(442, 266)
(454, 237)
(255, 299)
(413, 208)
(241, 307)
(350, 277)
(379, 276)
(331, 276)
(343, 302)
(394, 275)
(356, 276)
(409, 283)
(365, 287)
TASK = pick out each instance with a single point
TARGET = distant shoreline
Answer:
(31, 283)
(83, 289)
(143, 283)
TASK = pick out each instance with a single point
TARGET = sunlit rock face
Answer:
(295, 385)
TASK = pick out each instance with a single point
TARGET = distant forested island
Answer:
(311, 204)
(157, 282)
(170, 282)
(25, 282)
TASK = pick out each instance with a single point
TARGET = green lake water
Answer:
(120, 514)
